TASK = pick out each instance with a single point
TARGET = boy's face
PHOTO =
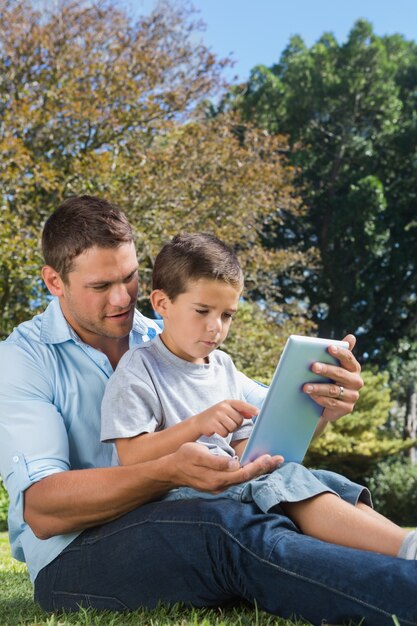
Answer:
(198, 321)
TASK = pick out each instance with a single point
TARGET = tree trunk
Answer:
(410, 429)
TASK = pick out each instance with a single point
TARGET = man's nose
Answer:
(119, 296)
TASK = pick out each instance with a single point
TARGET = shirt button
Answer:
(15, 459)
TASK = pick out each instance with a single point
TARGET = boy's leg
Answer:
(329, 518)
(205, 553)
(370, 511)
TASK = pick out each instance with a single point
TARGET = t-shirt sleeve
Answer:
(130, 403)
(254, 392)
(243, 432)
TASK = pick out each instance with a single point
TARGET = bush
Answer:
(356, 444)
(4, 505)
(394, 491)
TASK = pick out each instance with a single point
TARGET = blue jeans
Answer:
(209, 553)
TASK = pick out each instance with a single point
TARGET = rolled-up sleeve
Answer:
(33, 438)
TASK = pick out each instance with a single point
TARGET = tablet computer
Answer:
(288, 417)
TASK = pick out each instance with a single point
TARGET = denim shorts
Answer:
(291, 482)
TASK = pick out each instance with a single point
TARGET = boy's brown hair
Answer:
(191, 256)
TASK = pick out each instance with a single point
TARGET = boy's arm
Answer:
(222, 418)
(150, 446)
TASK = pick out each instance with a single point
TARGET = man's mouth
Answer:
(121, 315)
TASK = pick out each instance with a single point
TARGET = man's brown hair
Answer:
(191, 256)
(80, 223)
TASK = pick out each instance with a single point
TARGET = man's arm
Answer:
(78, 499)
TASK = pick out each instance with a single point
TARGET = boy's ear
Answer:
(53, 281)
(160, 302)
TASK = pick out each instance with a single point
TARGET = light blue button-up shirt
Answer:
(51, 387)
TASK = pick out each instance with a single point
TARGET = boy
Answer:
(175, 389)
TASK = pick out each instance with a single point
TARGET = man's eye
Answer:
(129, 278)
(100, 287)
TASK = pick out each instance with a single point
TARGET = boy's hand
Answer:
(224, 417)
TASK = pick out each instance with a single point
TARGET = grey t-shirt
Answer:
(153, 389)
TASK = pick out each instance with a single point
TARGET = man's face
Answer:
(100, 294)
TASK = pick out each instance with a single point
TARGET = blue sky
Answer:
(257, 31)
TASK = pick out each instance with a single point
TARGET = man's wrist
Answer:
(165, 472)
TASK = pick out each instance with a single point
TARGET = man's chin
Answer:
(118, 328)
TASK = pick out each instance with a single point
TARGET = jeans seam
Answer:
(85, 596)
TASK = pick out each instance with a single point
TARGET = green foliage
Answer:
(4, 505)
(76, 82)
(394, 491)
(200, 177)
(255, 341)
(355, 444)
(94, 102)
(349, 112)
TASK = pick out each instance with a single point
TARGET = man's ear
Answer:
(160, 302)
(53, 281)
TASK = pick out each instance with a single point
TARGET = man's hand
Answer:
(340, 397)
(223, 418)
(194, 466)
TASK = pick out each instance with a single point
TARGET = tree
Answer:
(349, 112)
(200, 177)
(76, 82)
(93, 103)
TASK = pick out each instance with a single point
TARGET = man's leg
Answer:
(206, 553)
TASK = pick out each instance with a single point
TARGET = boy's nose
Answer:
(214, 325)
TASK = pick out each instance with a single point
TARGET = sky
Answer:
(256, 32)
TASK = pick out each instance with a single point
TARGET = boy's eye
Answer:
(227, 315)
(201, 311)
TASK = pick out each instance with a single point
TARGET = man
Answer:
(95, 535)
